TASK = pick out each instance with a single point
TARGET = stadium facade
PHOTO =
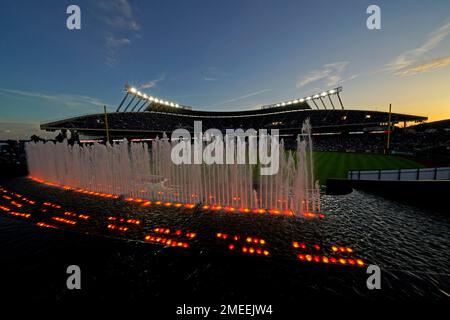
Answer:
(142, 116)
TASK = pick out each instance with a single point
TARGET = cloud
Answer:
(119, 18)
(248, 95)
(112, 44)
(426, 66)
(118, 14)
(411, 62)
(70, 100)
(330, 74)
(152, 83)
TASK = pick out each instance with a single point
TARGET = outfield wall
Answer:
(442, 173)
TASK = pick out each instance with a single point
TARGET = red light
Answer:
(317, 247)
(333, 260)
(316, 258)
(258, 251)
(231, 246)
(301, 257)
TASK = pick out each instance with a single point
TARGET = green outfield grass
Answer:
(337, 164)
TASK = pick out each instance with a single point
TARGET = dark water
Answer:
(410, 245)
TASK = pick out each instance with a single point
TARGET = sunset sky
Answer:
(220, 55)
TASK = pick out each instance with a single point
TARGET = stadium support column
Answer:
(331, 101)
(388, 142)
(317, 107)
(121, 103)
(131, 101)
(324, 106)
(144, 102)
(106, 124)
(144, 105)
(340, 101)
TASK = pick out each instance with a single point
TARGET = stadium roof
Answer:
(143, 115)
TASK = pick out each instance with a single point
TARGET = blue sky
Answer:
(219, 55)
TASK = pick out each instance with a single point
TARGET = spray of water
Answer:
(141, 170)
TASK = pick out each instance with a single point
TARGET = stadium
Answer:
(141, 116)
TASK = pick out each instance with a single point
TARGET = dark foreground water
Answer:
(410, 245)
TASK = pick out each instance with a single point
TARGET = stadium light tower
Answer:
(146, 100)
(312, 98)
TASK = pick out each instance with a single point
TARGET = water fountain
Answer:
(146, 171)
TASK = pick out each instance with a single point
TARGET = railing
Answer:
(441, 173)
